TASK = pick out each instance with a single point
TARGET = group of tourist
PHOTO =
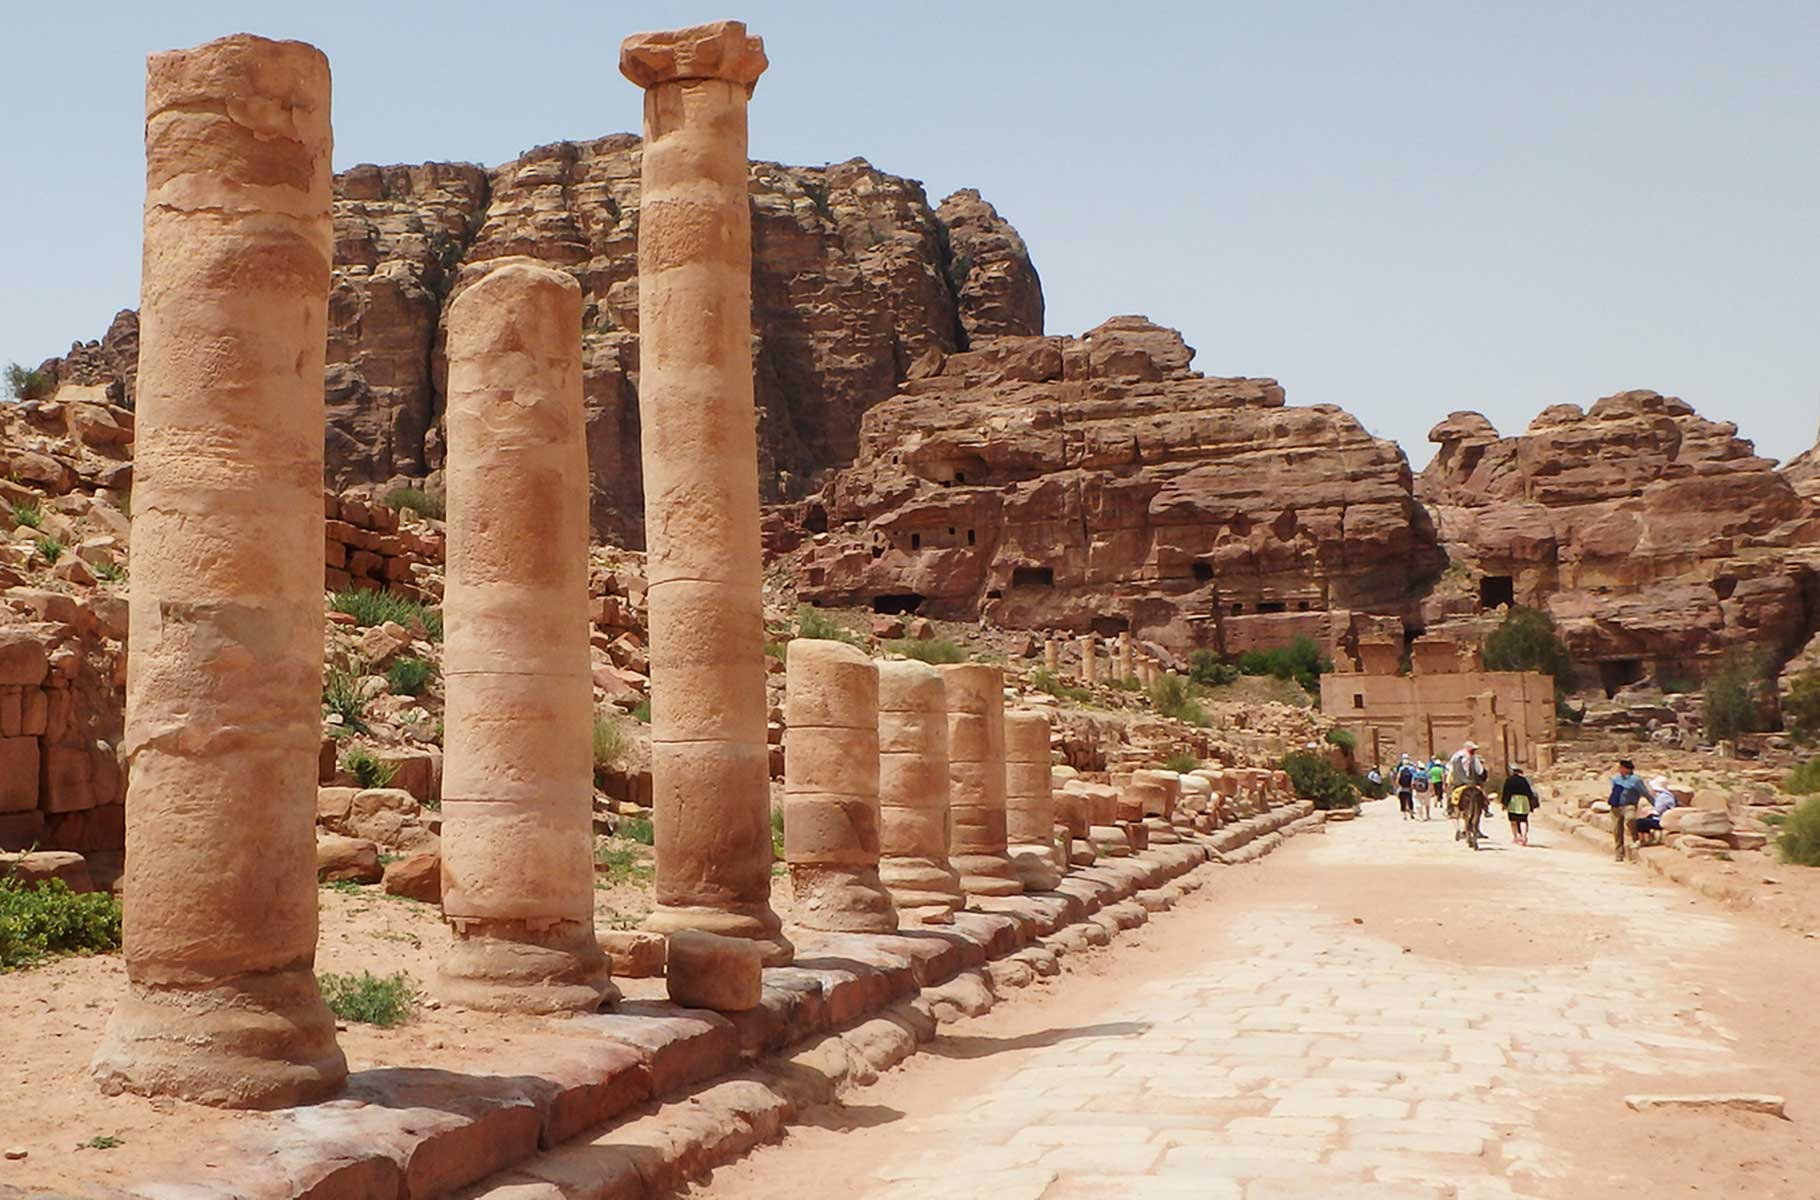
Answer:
(1630, 795)
(1419, 782)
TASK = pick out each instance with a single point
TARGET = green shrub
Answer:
(1804, 780)
(1210, 670)
(407, 676)
(617, 861)
(1300, 661)
(1343, 738)
(1045, 680)
(341, 696)
(109, 571)
(1801, 710)
(1735, 697)
(932, 650)
(368, 769)
(1798, 838)
(636, 829)
(1181, 762)
(641, 712)
(609, 744)
(23, 383)
(417, 500)
(29, 513)
(811, 622)
(777, 650)
(376, 608)
(101, 1141)
(1318, 780)
(1370, 790)
(38, 921)
(382, 1000)
(1526, 641)
(1173, 696)
(51, 549)
(777, 834)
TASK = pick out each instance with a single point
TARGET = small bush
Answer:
(933, 650)
(1343, 738)
(38, 921)
(777, 834)
(636, 829)
(1173, 696)
(1045, 680)
(109, 571)
(1301, 661)
(101, 1141)
(641, 712)
(1804, 780)
(51, 549)
(1798, 839)
(1210, 670)
(1801, 710)
(1181, 762)
(407, 676)
(1526, 641)
(811, 622)
(1318, 780)
(341, 696)
(367, 768)
(382, 1000)
(620, 862)
(777, 650)
(417, 500)
(1734, 701)
(23, 383)
(29, 513)
(609, 744)
(376, 608)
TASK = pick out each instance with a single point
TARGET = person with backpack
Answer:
(1518, 799)
(1406, 783)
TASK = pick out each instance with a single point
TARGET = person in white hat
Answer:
(1662, 798)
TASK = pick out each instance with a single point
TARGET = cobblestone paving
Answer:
(1309, 1058)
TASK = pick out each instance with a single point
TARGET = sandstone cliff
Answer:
(1803, 472)
(1657, 538)
(1098, 483)
(855, 275)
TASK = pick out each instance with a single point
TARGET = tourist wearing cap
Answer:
(1627, 790)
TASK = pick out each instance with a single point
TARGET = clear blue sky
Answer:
(1402, 208)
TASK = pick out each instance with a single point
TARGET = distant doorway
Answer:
(1496, 590)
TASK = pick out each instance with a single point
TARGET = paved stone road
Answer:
(1309, 1056)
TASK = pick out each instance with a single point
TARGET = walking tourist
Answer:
(1518, 799)
(1627, 789)
(1406, 784)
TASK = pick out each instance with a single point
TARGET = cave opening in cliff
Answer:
(1033, 577)
(1496, 590)
(897, 603)
(1273, 606)
(1109, 627)
(916, 541)
(1203, 572)
(1724, 586)
(1619, 673)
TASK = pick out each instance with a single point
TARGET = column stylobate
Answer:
(710, 762)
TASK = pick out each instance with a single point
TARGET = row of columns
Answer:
(1125, 660)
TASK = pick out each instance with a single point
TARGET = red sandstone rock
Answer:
(350, 859)
(416, 877)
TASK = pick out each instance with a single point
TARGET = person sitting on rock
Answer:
(1518, 798)
(1661, 800)
(1627, 790)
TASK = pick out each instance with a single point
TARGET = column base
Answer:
(754, 922)
(256, 1041)
(1110, 840)
(510, 966)
(842, 900)
(923, 886)
(987, 874)
(1036, 869)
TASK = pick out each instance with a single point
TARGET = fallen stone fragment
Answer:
(1701, 1101)
(347, 860)
(722, 974)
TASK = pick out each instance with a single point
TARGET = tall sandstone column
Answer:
(831, 812)
(517, 810)
(976, 779)
(1127, 668)
(224, 670)
(1029, 807)
(913, 793)
(710, 763)
(1090, 663)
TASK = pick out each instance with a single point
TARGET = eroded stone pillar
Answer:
(517, 809)
(224, 670)
(976, 779)
(1127, 663)
(913, 793)
(1029, 806)
(1052, 654)
(831, 807)
(710, 765)
(1090, 663)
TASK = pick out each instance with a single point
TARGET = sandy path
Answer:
(1373, 1013)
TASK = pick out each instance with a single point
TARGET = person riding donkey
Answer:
(1466, 776)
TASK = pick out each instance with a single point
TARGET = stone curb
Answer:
(691, 1089)
(1659, 859)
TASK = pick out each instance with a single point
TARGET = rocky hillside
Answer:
(1657, 538)
(855, 276)
(1099, 483)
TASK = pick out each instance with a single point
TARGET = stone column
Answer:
(710, 764)
(1127, 664)
(831, 808)
(517, 809)
(1052, 654)
(224, 669)
(976, 779)
(1090, 665)
(1029, 807)
(913, 793)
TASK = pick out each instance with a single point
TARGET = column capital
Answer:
(721, 50)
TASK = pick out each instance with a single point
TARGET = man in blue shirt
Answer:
(1627, 790)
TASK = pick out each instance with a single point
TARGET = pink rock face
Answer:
(710, 762)
(1029, 805)
(831, 804)
(517, 834)
(224, 674)
(913, 793)
(976, 779)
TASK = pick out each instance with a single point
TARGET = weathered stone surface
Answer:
(721, 974)
(416, 877)
(347, 859)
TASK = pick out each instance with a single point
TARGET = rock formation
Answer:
(224, 671)
(1098, 484)
(1657, 539)
(518, 865)
(1803, 472)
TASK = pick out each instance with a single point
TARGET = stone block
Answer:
(19, 759)
(23, 660)
(416, 877)
(39, 865)
(348, 859)
(635, 953)
(721, 974)
(677, 1046)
